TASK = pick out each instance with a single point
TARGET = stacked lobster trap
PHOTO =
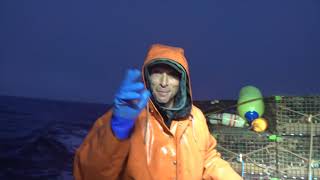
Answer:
(289, 149)
(297, 122)
(296, 116)
(298, 157)
(250, 154)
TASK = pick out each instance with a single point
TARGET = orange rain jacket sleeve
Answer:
(101, 155)
(215, 167)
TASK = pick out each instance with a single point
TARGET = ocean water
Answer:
(38, 138)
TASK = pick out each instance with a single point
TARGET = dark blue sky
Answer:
(79, 50)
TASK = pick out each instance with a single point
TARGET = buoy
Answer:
(227, 119)
(259, 125)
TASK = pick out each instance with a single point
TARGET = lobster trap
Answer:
(294, 153)
(249, 153)
(294, 115)
(298, 157)
(258, 156)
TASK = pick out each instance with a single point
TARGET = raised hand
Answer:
(129, 101)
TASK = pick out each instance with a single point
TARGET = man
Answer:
(157, 135)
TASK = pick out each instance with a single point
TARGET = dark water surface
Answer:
(38, 138)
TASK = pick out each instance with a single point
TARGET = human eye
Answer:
(174, 74)
(155, 71)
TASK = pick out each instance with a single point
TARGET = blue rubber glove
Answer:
(129, 101)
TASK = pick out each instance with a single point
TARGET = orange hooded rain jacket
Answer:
(186, 151)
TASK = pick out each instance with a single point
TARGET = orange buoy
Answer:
(259, 125)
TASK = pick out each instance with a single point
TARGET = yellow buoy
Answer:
(259, 125)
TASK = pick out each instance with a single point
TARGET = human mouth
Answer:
(163, 93)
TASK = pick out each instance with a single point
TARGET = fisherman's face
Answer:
(164, 84)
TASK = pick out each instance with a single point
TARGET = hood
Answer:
(174, 57)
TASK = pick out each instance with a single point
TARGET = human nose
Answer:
(164, 80)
